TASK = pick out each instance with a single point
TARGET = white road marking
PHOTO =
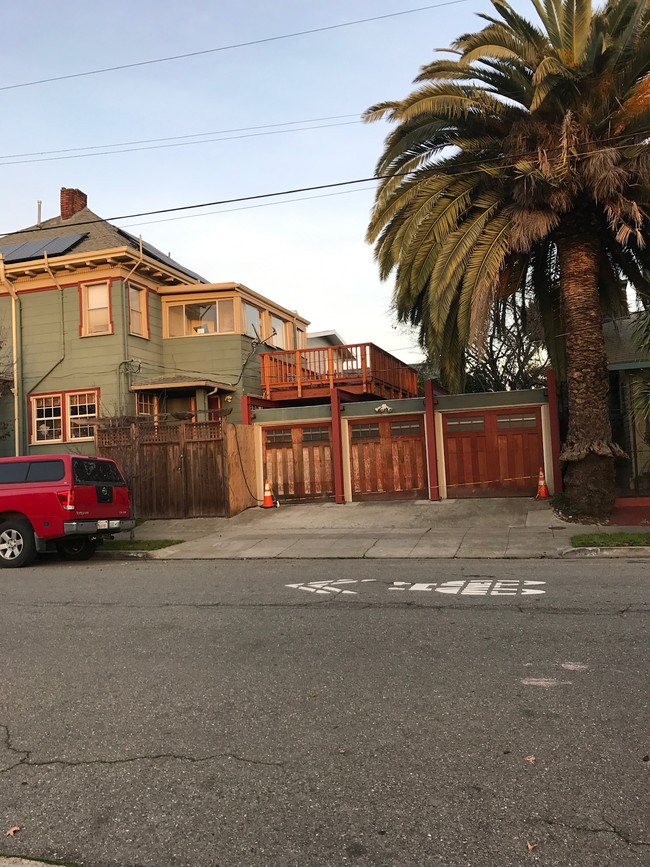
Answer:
(473, 587)
(329, 587)
(574, 666)
(545, 682)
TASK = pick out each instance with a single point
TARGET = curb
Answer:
(639, 552)
(122, 555)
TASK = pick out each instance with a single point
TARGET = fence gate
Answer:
(173, 470)
(493, 453)
(388, 459)
(298, 462)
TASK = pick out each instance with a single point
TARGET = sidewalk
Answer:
(473, 529)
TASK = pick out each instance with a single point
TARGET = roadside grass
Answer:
(611, 540)
(139, 544)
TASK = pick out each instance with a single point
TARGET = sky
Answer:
(280, 115)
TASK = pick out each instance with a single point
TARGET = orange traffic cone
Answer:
(268, 496)
(542, 488)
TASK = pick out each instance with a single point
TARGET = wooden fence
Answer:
(182, 469)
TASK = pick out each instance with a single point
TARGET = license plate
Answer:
(102, 525)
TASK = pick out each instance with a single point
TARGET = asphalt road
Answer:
(416, 713)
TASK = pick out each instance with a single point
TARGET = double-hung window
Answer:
(64, 417)
(81, 411)
(138, 324)
(47, 415)
(96, 309)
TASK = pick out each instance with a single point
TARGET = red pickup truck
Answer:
(67, 503)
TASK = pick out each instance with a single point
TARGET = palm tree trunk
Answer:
(588, 450)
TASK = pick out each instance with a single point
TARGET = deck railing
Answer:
(360, 367)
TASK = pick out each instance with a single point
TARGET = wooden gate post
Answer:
(430, 435)
(337, 446)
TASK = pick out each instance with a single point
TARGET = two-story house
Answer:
(97, 323)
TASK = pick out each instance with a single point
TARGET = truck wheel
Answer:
(17, 544)
(76, 549)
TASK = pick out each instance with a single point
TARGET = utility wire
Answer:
(179, 144)
(172, 138)
(476, 163)
(249, 207)
(232, 46)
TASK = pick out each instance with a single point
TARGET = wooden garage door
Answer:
(298, 462)
(388, 458)
(493, 453)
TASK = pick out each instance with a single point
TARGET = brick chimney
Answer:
(72, 201)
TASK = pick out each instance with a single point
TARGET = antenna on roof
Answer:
(38, 212)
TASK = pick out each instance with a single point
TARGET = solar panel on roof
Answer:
(160, 256)
(27, 250)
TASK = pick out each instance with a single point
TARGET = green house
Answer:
(98, 324)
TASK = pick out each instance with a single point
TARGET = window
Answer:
(65, 417)
(252, 320)
(96, 309)
(279, 339)
(82, 408)
(278, 436)
(471, 423)
(46, 417)
(193, 319)
(365, 431)
(316, 435)
(88, 471)
(508, 421)
(31, 471)
(405, 429)
(138, 324)
(146, 404)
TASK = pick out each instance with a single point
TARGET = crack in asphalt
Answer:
(487, 604)
(612, 829)
(26, 760)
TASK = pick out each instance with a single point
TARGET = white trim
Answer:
(442, 476)
(547, 448)
(346, 460)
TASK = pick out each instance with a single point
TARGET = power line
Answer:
(250, 207)
(232, 46)
(179, 144)
(477, 163)
(172, 138)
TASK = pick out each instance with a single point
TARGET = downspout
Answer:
(16, 350)
(125, 330)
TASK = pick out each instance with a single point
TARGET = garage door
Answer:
(493, 453)
(298, 462)
(388, 459)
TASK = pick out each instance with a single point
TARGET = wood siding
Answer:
(298, 462)
(388, 458)
(173, 470)
(493, 453)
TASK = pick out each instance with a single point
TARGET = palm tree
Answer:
(521, 164)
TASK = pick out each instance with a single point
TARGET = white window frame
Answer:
(70, 420)
(85, 310)
(143, 312)
(65, 418)
(37, 436)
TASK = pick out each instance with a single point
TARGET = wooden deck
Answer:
(361, 368)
